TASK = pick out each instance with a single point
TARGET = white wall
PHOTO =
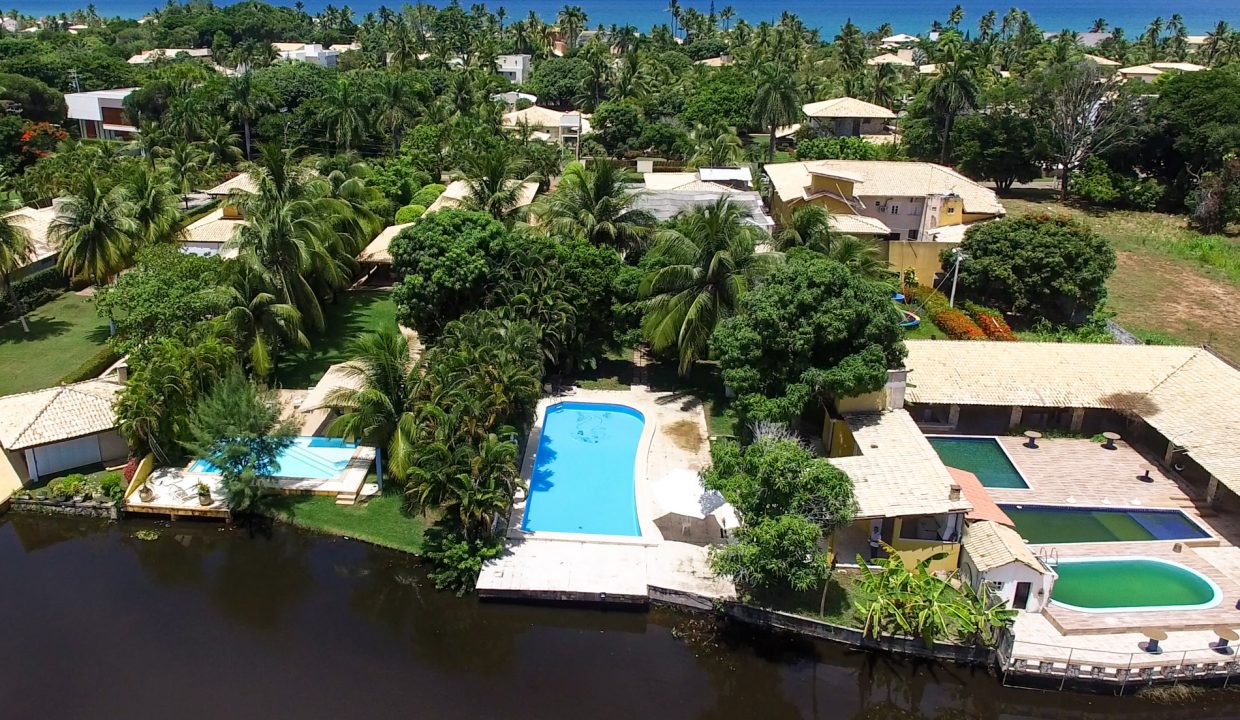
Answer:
(1008, 575)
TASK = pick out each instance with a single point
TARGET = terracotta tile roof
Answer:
(212, 229)
(846, 107)
(1188, 394)
(984, 508)
(58, 413)
(897, 473)
(991, 545)
(857, 225)
(885, 178)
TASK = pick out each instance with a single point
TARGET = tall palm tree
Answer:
(343, 112)
(153, 199)
(809, 227)
(260, 323)
(220, 143)
(955, 89)
(378, 408)
(1215, 40)
(246, 101)
(184, 163)
(776, 103)
(862, 257)
(703, 265)
(592, 202)
(396, 107)
(571, 19)
(16, 251)
(716, 146)
(94, 230)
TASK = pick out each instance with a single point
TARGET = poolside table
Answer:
(1226, 636)
(1111, 437)
(1032, 437)
(1155, 636)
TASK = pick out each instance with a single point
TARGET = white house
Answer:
(59, 428)
(513, 68)
(1152, 71)
(150, 56)
(994, 558)
(550, 125)
(850, 117)
(306, 52)
(101, 113)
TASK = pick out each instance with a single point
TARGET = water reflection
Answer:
(205, 622)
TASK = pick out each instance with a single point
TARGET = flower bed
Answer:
(957, 325)
(995, 327)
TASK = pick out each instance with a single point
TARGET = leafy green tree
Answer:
(30, 97)
(16, 251)
(1039, 266)
(443, 259)
(95, 230)
(594, 203)
(237, 428)
(618, 125)
(725, 96)
(813, 331)
(555, 80)
(1192, 126)
(166, 292)
(1001, 146)
(838, 148)
(778, 552)
(705, 262)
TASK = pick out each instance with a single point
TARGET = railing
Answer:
(1051, 662)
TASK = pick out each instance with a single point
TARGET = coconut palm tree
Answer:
(220, 143)
(809, 227)
(592, 202)
(378, 408)
(153, 199)
(261, 325)
(184, 163)
(716, 146)
(494, 181)
(862, 257)
(396, 107)
(16, 251)
(776, 103)
(703, 265)
(955, 89)
(94, 230)
(571, 19)
(247, 100)
(343, 112)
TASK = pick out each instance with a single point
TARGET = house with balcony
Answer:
(914, 210)
(101, 114)
(514, 68)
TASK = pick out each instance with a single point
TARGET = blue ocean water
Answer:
(582, 481)
(911, 16)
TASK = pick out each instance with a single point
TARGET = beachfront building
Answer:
(849, 117)
(514, 68)
(306, 52)
(565, 128)
(56, 429)
(914, 210)
(1150, 72)
(101, 114)
(149, 56)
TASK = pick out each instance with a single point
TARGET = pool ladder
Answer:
(1049, 557)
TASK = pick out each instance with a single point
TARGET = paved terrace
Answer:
(671, 555)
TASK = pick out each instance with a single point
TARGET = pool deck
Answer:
(1081, 473)
(671, 556)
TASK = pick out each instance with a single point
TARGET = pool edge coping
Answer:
(1218, 591)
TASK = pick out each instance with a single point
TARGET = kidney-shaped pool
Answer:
(1131, 584)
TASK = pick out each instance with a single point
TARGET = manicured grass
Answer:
(64, 333)
(380, 520)
(354, 313)
(1171, 284)
(841, 606)
(927, 330)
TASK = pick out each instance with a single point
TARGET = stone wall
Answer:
(82, 508)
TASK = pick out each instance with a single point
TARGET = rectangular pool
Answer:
(582, 481)
(982, 456)
(309, 457)
(1053, 524)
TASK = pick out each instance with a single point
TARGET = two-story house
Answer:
(101, 114)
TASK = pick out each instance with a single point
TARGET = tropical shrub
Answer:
(409, 213)
(35, 290)
(838, 148)
(456, 562)
(957, 325)
(427, 195)
(990, 321)
(112, 485)
(92, 367)
(779, 552)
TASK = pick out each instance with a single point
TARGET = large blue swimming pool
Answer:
(317, 458)
(582, 480)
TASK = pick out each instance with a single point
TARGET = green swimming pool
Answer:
(1057, 524)
(982, 456)
(1131, 584)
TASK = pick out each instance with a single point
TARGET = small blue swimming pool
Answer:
(313, 458)
(582, 481)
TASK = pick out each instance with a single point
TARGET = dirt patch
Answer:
(686, 434)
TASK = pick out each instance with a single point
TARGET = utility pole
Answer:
(951, 301)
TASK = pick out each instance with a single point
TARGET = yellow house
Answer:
(913, 210)
(905, 495)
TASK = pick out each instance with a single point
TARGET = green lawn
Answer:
(64, 333)
(379, 520)
(352, 314)
(841, 606)
(927, 330)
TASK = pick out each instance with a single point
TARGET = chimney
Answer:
(897, 381)
(954, 492)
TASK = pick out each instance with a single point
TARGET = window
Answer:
(951, 209)
(912, 234)
(895, 209)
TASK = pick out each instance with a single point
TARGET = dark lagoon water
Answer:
(210, 623)
(911, 16)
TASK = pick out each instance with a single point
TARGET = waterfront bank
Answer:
(205, 621)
